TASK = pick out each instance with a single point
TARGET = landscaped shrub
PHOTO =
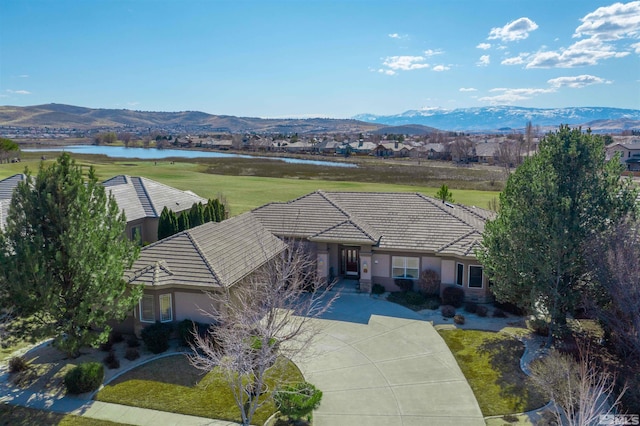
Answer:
(458, 319)
(404, 284)
(377, 289)
(133, 342)
(482, 311)
(429, 283)
(471, 307)
(299, 400)
(186, 329)
(156, 337)
(111, 361)
(106, 346)
(510, 308)
(453, 296)
(499, 313)
(447, 311)
(132, 354)
(414, 298)
(18, 364)
(85, 377)
(539, 326)
(432, 302)
(116, 337)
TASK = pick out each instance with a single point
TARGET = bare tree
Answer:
(463, 149)
(125, 137)
(580, 390)
(507, 155)
(268, 316)
(528, 137)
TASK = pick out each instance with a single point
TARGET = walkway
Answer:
(378, 363)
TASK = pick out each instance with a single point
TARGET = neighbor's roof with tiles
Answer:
(395, 221)
(140, 197)
(8, 185)
(210, 255)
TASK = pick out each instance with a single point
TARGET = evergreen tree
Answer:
(183, 221)
(444, 194)
(552, 204)
(165, 227)
(196, 215)
(63, 255)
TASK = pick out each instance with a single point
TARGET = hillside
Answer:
(74, 117)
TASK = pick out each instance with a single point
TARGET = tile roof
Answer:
(208, 256)
(8, 185)
(394, 221)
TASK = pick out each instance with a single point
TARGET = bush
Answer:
(482, 311)
(18, 364)
(509, 307)
(132, 354)
(299, 400)
(404, 284)
(539, 326)
(85, 377)
(429, 282)
(471, 307)
(111, 361)
(499, 313)
(185, 331)
(377, 289)
(458, 319)
(448, 311)
(432, 303)
(116, 337)
(106, 346)
(156, 337)
(133, 342)
(414, 298)
(453, 296)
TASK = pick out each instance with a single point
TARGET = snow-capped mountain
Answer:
(510, 117)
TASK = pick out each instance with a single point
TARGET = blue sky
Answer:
(313, 58)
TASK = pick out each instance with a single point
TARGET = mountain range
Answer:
(496, 118)
(427, 120)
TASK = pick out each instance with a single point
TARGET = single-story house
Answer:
(141, 199)
(176, 272)
(376, 238)
(371, 238)
(392, 149)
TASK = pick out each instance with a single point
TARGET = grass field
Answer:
(22, 416)
(250, 183)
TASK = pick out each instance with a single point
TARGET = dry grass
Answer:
(22, 416)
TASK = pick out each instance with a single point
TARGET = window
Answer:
(147, 312)
(405, 267)
(475, 276)
(460, 274)
(166, 312)
(136, 234)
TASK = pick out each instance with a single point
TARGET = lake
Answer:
(157, 154)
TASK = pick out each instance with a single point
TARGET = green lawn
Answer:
(22, 416)
(244, 192)
(172, 384)
(491, 363)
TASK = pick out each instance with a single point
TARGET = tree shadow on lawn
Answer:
(504, 358)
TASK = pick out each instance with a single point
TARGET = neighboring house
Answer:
(437, 151)
(488, 152)
(327, 147)
(378, 237)
(629, 154)
(177, 271)
(141, 199)
(392, 149)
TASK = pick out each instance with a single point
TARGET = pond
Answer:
(157, 154)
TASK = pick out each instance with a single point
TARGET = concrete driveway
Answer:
(378, 363)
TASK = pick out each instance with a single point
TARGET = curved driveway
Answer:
(378, 363)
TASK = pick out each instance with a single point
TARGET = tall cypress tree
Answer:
(165, 228)
(183, 221)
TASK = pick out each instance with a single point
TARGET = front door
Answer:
(350, 261)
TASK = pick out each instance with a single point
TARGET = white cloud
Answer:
(577, 82)
(514, 30)
(581, 53)
(484, 46)
(18, 92)
(636, 48)
(394, 35)
(516, 60)
(467, 89)
(441, 68)
(613, 22)
(509, 96)
(405, 63)
(387, 72)
(23, 76)
(483, 61)
(431, 52)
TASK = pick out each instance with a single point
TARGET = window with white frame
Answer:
(147, 311)
(166, 311)
(475, 276)
(405, 267)
(460, 274)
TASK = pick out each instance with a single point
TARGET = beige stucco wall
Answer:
(188, 305)
(432, 262)
(448, 271)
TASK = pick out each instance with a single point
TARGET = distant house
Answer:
(629, 154)
(177, 271)
(328, 146)
(141, 199)
(436, 151)
(393, 149)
